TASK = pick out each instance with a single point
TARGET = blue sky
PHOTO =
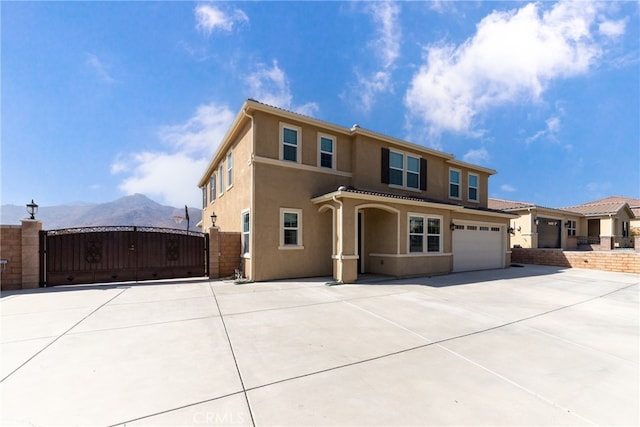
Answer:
(105, 99)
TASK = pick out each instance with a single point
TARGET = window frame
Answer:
(407, 172)
(229, 170)
(425, 233)
(298, 228)
(402, 169)
(572, 228)
(204, 197)
(212, 188)
(298, 145)
(245, 241)
(458, 184)
(470, 187)
(220, 179)
(333, 140)
(412, 233)
(386, 169)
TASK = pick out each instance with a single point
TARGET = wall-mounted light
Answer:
(510, 230)
(567, 224)
(214, 218)
(32, 208)
(452, 226)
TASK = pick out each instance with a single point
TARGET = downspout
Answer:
(340, 246)
(252, 202)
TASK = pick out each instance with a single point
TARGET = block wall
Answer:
(11, 251)
(620, 261)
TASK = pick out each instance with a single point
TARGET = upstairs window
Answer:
(229, 170)
(454, 183)
(403, 170)
(326, 153)
(204, 197)
(396, 168)
(221, 183)
(473, 187)
(413, 172)
(290, 143)
(212, 187)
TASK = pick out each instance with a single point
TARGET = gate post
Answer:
(31, 253)
(214, 253)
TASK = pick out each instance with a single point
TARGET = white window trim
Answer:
(573, 226)
(229, 170)
(425, 234)
(469, 187)
(298, 129)
(405, 169)
(333, 154)
(212, 188)
(220, 180)
(242, 214)
(281, 229)
(404, 156)
(459, 184)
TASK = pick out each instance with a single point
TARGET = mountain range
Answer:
(136, 210)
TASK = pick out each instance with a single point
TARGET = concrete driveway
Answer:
(522, 346)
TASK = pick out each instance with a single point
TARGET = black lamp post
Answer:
(32, 208)
(214, 218)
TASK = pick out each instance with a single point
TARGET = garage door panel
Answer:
(478, 247)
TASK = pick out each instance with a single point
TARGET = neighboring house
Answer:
(603, 224)
(311, 198)
(608, 222)
(541, 227)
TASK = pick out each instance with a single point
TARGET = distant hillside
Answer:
(136, 210)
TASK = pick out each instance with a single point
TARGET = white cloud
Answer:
(270, 85)
(508, 188)
(386, 46)
(101, 70)
(613, 28)
(173, 174)
(513, 57)
(478, 156)
(210, 18)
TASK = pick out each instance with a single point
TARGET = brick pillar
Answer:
(214, 253)
(606, 243)
(30, 253)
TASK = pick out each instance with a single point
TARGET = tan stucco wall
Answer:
(264, 184)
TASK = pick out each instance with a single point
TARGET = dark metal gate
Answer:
(117, 254)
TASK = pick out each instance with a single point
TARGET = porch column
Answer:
(346, 262)
(30, 253)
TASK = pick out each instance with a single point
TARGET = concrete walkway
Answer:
(522, 346)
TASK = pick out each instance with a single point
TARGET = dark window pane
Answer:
(290, 153)
(290, 136)
(454, 190)
(416, 225)
(415, 243)
(290, 237)
(473, 194)
(433, 226)
(396, 160)
(433, 243)
(291, 220)
(413, 180)
(395, 177)
(326, 145)
(326, 160)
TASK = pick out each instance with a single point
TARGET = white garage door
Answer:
(477, 247)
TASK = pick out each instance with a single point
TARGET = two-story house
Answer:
(315, 199)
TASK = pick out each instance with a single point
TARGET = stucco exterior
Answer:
(315, 199)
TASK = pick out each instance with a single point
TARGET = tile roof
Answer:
(502, 205)
(604, 208)
(354, 190)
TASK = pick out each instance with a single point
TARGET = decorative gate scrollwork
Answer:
(173, 250)
(93, 251)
